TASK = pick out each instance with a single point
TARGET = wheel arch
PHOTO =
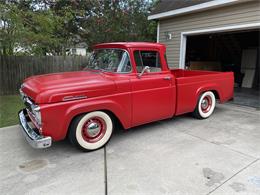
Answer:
(216, 93)
(115, 118)
(213, 88)
(115, 112)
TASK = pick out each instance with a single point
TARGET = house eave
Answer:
(194, 8)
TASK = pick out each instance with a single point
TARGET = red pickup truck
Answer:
(127, 83)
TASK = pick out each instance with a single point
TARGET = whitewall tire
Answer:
(205, 106)
(91, 131)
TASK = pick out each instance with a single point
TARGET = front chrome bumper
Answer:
(35, 140)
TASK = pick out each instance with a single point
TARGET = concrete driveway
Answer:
(181, 156)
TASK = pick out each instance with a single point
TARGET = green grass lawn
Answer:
(9, 107)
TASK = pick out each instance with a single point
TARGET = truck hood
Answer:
(67, 86)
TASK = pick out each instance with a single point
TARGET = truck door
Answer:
(152, 93)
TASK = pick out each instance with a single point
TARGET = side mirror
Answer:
(146, 69)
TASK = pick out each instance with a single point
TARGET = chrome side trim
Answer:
(77, 97)
(33, 138)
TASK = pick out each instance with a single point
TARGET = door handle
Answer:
(167, 78)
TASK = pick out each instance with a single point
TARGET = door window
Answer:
(147, 58)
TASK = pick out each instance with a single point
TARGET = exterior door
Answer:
(152, 93)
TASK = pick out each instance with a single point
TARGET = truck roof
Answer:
(125, 45)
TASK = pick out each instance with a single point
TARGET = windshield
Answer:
(111, 60)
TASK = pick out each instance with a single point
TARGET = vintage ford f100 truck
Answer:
(127, 83)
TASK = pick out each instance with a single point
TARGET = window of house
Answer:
(147, 58)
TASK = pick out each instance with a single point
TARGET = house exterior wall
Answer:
(77, 51)
(238, 14)
(81, 51)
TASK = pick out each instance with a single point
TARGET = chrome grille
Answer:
(29, 104)
(31, 108)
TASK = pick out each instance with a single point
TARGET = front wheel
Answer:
(91, 131)
(205, 106)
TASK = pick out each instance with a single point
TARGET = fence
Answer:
(14, 69)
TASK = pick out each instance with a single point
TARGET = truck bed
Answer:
(191, 83)
(178, 73)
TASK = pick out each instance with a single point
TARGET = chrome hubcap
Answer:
(93, 129)
(204, 104)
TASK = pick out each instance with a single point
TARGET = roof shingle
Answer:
(169, 5)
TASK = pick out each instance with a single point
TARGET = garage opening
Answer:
(231, 51)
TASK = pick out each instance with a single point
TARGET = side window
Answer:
(147, 58)
(138, 61)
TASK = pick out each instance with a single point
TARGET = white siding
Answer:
(243, 13)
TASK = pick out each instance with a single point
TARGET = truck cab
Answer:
(152, 84)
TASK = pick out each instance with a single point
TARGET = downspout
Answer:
(158, 32)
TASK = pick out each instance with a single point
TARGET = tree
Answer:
(43, 27)
(11, 28)
(117, 20)
(31, 27)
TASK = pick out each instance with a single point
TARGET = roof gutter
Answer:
(194, 8)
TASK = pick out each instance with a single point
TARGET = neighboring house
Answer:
(212, 35)
(78, 49)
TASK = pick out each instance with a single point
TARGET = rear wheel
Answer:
(205, 106)
(91, 131)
